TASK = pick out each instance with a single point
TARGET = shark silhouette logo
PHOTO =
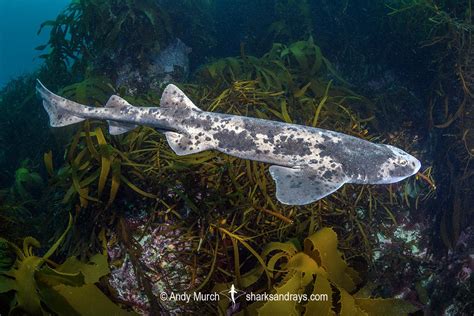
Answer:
(233, 294)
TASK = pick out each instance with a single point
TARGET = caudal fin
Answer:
(59, 109)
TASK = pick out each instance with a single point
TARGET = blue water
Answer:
(19, 23)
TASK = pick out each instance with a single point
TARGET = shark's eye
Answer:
(403, 162)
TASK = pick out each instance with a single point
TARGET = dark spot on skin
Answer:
(235, 141)
(328, 174)
(196, 137)
(202, 123)
(293, 146)
(267, 128)
(208, 138)
(357, 156)
(295, 185)
(181, 112)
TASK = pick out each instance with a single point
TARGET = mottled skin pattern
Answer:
(290, 145)
(303, 157)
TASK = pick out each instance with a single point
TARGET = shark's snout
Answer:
(403, 164)
(398, 166)
(417, 164)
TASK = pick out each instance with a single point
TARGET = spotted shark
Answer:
(307, 163)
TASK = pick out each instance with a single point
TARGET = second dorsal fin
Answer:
(173, 97)
(117, 102)
(117, 128)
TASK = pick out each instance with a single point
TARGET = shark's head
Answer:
(398, 166)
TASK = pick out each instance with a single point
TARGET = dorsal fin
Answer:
(117, 128)
(173, 97)
(116, 102)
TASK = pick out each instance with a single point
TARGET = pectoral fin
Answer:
(303, 186)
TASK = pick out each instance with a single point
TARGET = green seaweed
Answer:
(40, 286)
(317, 270)
(225, 205)
(26, 181)
(87, 33)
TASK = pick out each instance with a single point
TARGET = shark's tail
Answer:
(59, 109)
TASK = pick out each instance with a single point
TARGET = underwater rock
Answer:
(171, 64)
(159, 261)
(451, 285)
(168, 65)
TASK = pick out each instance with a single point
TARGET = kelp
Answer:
(92, 165)
(20, 119)
(91, 91)
(92, 162)
(207, 185)
(91, 30)
(90, 34)
(446, 32)
(257, 25)
(299, 72)
(42, 287)
(225, 205)
(26, 181)
(320, 275)
(20, 200)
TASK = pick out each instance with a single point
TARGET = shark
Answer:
(306, 163)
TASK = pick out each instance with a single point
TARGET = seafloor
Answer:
(94, 224)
